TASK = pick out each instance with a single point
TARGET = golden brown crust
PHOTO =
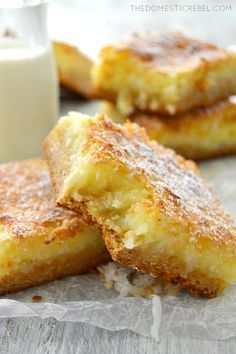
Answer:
(166, 73)
(165, 267)
(202, 133)
(213, 112)
(28, 212)
(74, 68)
(169, 50)
(27, 206)
(57, 159)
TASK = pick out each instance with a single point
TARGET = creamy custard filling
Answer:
(124, 206)
(137, 85)
(22, 254)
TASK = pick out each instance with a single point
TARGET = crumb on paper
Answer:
(36, 298)
(9, 33)
(210, 174)
(130, 282)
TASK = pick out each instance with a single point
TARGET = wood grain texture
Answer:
(26, 336)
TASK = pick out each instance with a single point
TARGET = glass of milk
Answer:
(28, 81)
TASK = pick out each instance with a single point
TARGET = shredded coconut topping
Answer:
(130, 282)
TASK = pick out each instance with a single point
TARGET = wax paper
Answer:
(85, 299)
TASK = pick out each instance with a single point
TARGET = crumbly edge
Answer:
(83, 86)
(54, 159)
(197, 284)
(166, 268)
(187, 151)
(183, 104)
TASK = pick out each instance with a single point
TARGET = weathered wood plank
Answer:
(26, 336)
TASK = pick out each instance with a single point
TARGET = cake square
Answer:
(199, 134)
(74, 68)
(156, 213)
(166, 73)
(39, 241)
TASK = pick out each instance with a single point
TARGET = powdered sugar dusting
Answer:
(27, 203)
(182, 192)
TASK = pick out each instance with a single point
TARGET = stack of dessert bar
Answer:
(180, 89)
(106, 191)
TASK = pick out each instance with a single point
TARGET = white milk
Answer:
(28, 100)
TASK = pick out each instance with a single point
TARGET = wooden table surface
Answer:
(33, 335)
(21, 336)
(49, 336)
